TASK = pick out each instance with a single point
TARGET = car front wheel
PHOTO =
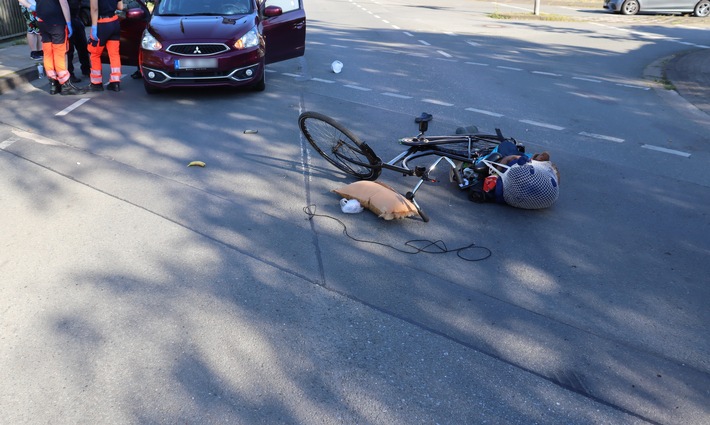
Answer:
(702, 9)
(630, 7)
(261, 84)
(150, 89)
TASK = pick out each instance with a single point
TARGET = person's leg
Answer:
(70, 59)
(115, 61)
(48, 60)
(35, 45)
(60, 43)
(113, 45)
(79, 41)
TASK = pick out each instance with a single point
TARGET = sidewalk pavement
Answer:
(689, 72)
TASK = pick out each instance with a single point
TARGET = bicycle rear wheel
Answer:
(339, 146)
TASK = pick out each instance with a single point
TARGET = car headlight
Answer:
(149, 42)
(250, 39)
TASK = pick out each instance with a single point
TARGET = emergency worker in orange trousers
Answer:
(105, 33)
(54, 23)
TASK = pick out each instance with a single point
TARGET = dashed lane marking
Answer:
(71, 107)
(542, 124)
(424, 42)
(551, 74)
(590, 80)
(601, 137)
(444, 54)
(437, 102)
(633, 87)
(398, 96)
(484, 112)
(509, 68)
(350, 86)
(665, 150)
(321, 80)
(7, 143)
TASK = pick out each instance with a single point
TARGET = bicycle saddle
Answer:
(424, 117)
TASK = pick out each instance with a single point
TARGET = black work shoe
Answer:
(95, 87)
(54, 86)
(113, 86)
(136, 75)
(69, 88)
(74, 79)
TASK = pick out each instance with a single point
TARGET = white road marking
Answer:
(586, 79)
(542, 124)
(444, 54)
(437, 102)
(320, 80)
(395, 27)
(476, 63)
(339, 46)
(350, 86)
(551, 74)
(424, 42)
(602, 137)
(72, 107)
(408, 34)
(7, 143)
(450, 33)
(632, 86)
(664, 150)
(288, 74)
(473, 43)
(510, 68)
(270, 70)
(481, 111)
(398, 96)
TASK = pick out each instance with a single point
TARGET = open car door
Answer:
(285, 32)
(132, 25)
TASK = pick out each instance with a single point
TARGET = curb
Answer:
(11, 81)
(655, 73)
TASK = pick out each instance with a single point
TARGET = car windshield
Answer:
(204, 7)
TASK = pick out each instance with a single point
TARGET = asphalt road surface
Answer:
(136, 289)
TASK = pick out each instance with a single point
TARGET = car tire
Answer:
(150, 89)
(261, 84)
(630, 7)
(702, 9)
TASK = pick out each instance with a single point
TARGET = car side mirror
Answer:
(136, 13)
(272, 11)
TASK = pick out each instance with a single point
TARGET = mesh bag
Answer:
(532, 185)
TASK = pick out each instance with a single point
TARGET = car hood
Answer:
(178, 29)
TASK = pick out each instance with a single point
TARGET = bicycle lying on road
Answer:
(463, 152)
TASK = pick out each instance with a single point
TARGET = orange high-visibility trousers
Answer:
(54, 46)
(108, 33)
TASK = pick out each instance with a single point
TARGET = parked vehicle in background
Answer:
(200, 43)
(699, 8)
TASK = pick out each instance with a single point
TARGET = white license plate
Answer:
(206, 63)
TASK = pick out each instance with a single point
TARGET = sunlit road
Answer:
(136, 289)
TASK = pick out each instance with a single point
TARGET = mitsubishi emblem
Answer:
(197, 51)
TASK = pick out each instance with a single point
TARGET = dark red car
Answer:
(199, 43)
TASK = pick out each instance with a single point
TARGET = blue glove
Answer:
(93, 32)
(69, 29)
(32, 8)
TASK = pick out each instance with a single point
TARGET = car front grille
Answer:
(197, 49)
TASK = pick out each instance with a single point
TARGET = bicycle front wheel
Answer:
(339, 146)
